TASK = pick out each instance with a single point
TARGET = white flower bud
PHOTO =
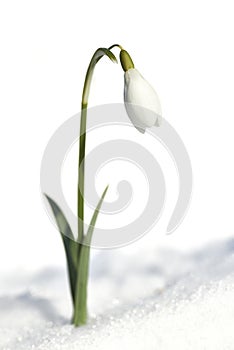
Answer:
(141, 101)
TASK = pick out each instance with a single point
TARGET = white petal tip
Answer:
(141, 130)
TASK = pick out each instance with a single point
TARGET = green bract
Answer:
(126, 60)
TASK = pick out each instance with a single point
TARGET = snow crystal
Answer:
(154, 300)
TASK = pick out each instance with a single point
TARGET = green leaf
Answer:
(70, 245)
(88, 237)
(80, 315)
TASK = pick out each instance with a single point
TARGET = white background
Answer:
(184, 48)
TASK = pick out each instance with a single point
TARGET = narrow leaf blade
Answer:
(92, 224)
(70, 245)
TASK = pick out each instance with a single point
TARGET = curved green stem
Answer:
(115, 45)
(81, 165)
(80, 311)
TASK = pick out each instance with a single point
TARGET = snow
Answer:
(156, 298)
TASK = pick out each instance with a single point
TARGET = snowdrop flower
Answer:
(141, 101)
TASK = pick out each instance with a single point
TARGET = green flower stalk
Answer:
(77, 249)
(80, 314)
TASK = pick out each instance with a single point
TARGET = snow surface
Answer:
(158, 299)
